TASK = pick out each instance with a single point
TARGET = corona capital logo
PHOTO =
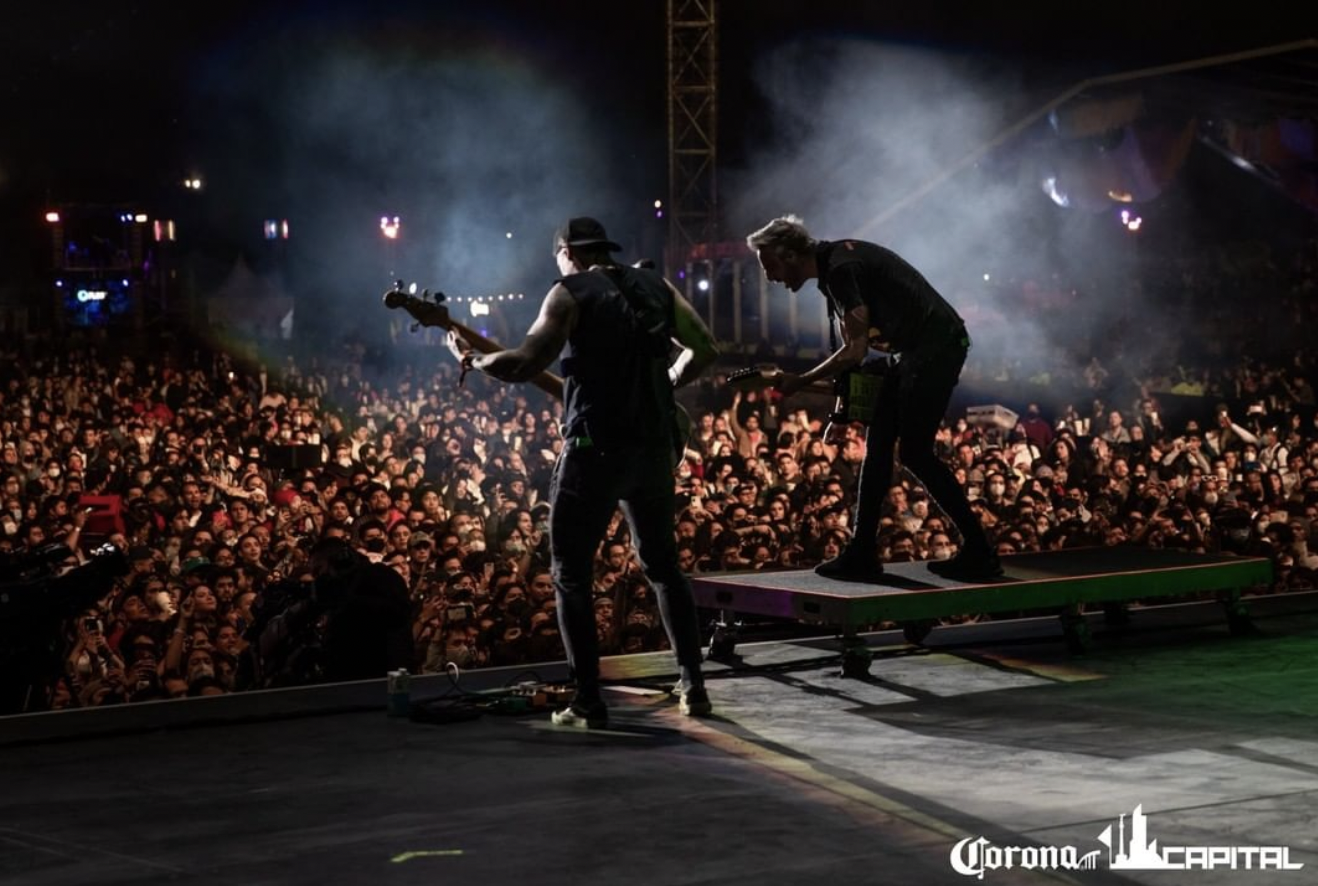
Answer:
(974, 856)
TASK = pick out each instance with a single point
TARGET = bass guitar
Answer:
(429, 310)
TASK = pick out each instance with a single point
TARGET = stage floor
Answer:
(804, 777)
(1037, 581)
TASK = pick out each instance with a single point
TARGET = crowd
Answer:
(223, 476)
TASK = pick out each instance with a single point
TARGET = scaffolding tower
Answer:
(692, 128)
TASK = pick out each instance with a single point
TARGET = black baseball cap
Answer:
(584, 231)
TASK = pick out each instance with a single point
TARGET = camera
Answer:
(91, 624)
(461, 612)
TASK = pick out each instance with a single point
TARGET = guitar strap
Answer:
(857, 389)
(659, 339)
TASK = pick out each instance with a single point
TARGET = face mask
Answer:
(997, 488)
(1210, 498)
(53, 472)
(375, 545)
(419, 457)
(477, 545)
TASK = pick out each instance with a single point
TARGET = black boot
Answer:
(855, 563)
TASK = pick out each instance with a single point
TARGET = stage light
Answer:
(479, 309)
(509, 235)
(52, 217)
(703, 285)
(389, 226)
(1050, 188)
(140, 218)
(986, 277)
(59, 284)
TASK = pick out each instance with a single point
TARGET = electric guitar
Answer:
(856, 390)
(762, 376)
(428, 310)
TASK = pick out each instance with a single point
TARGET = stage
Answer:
(1051, 580)
(992, 730)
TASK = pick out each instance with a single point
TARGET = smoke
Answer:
(464, 147)
(857, 128)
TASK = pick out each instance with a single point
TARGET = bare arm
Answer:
(544, 341)
(698, 348)
(855, 341)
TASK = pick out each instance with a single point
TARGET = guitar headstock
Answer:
(426, 309)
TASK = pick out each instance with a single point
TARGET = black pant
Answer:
(587, 486)
(912, 401)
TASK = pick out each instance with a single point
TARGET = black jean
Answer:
(587, 486)
(912, 401)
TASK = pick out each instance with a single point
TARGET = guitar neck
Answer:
(546, 381)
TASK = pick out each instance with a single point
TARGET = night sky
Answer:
(118, 102)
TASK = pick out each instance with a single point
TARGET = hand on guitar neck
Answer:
(427, 311)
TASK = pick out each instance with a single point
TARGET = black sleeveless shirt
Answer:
(616, 389)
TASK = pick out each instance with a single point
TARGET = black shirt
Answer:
(616, 389)
(907, 312)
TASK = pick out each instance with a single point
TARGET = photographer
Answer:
(1228, 435)
(1186, 455)
(350, 621)
(91, 659)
